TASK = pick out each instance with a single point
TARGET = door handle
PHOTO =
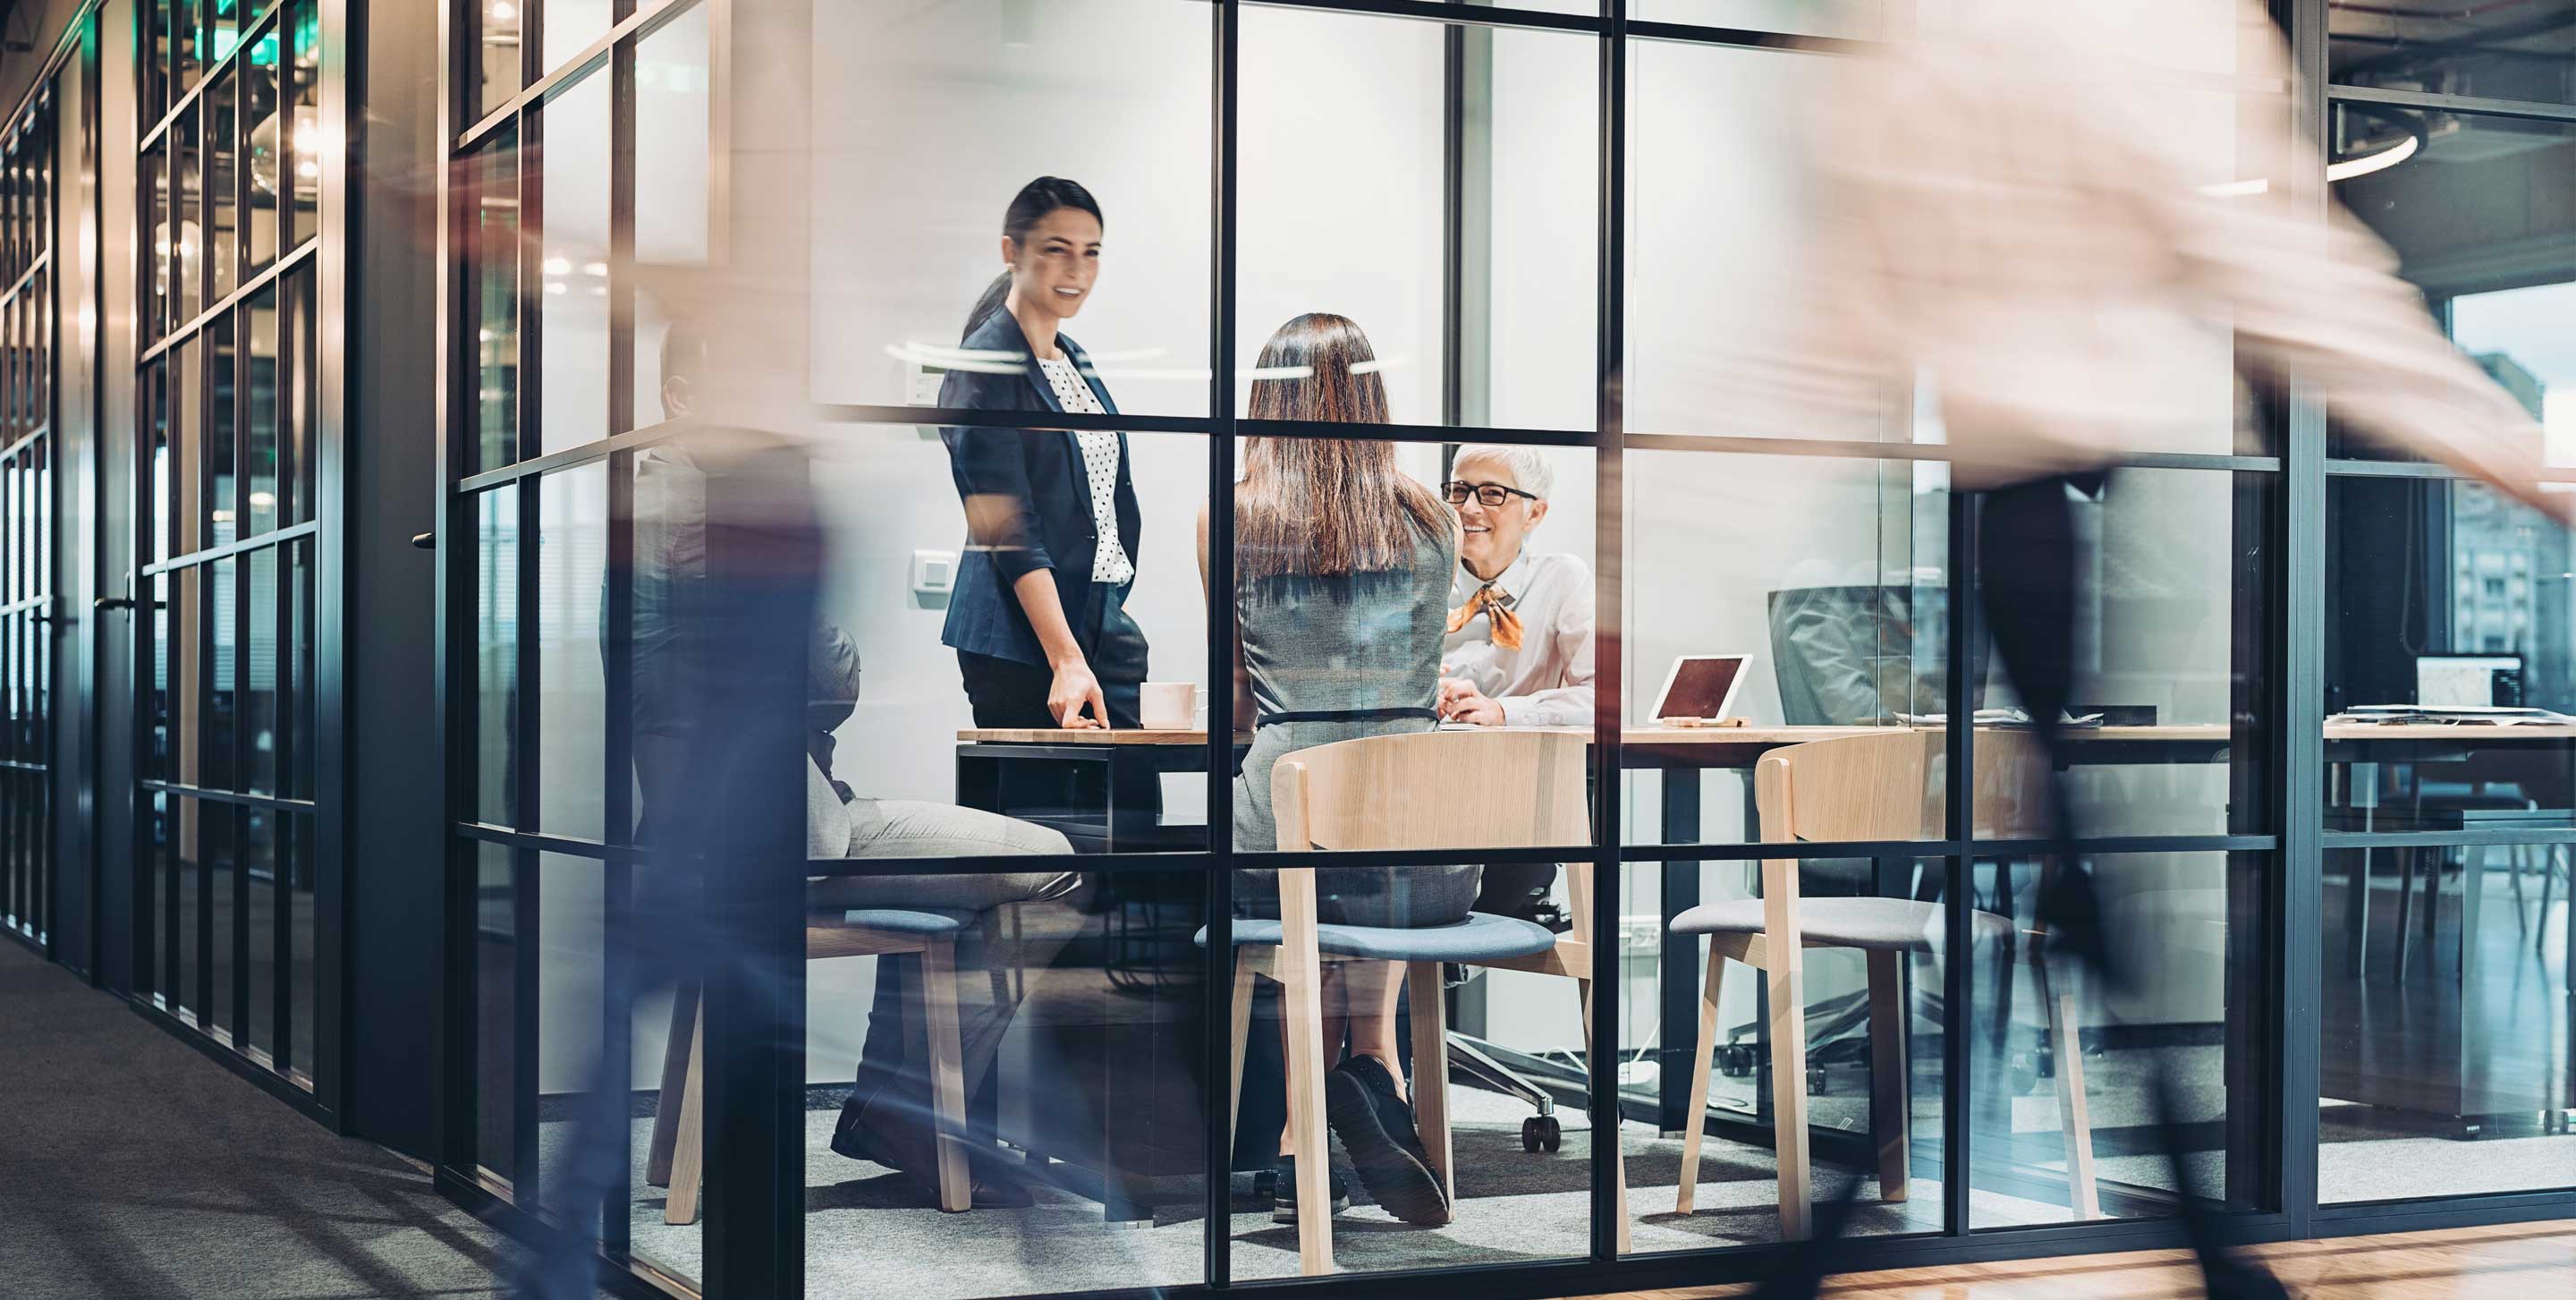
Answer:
(425, 541)
(111, 602)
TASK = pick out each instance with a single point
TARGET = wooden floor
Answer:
(2523, 1259)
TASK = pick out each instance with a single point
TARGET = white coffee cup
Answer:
(1168, 706)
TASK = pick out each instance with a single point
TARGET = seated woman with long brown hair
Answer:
(1341, 596)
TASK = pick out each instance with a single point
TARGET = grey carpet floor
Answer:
(133, 1168)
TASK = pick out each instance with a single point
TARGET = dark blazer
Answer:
(1037, 500)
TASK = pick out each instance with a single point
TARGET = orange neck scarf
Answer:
(1489, 602)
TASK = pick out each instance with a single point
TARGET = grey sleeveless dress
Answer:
(1355, 642)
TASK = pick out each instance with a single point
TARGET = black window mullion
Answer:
(1218, 955)
(1959, 807)
(617, 803)
(1610, 422)
(525, 1190)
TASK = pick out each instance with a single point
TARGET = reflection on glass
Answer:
(571, 25)
(259, 849)
(221, 595)
(674, 142)
(493, 292)
(152, 182)
(2066, 1066)
(1371, 245)
(2440, 1073)
(258, 713)
(893, 282)
(572, 723)
(295, 162)
(570, 945)
(223, 450)
(260, 142)
(496, 640)
(497, 27)
(2498, 51)
(573, 266)
(185, 235)
(496, 1010)
(262, 448)
(1703, 1052)
(2435, 186)
(1862, 19)
(222, 214)
(1829, 577)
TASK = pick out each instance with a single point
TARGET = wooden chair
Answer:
(677, 1157)
(1427, 790)
(1868, 788)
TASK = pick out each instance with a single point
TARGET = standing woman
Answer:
(1341, 598)
(1039, 618)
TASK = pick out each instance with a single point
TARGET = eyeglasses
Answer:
(1493, 495)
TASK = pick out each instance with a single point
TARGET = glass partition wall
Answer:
(1530, 212)
(231, 542)
(31, 621)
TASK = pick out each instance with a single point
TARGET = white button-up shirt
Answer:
(1548, 680)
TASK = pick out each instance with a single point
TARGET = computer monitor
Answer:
(2468, 681)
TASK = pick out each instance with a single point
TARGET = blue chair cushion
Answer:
(908, 920)
(1481, 937)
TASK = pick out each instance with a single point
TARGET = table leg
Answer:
(1677, 980)
(2473, 893)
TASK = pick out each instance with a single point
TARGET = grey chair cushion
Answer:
(1898, 923)
(1481, 937)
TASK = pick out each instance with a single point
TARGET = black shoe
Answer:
(1283, 1190)
(885, 1135)
(1376, 1127)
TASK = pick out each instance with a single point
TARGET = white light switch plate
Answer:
(934, 573)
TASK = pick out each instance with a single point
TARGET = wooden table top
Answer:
(2178, 733)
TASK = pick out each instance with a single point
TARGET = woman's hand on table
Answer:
(1073, 689)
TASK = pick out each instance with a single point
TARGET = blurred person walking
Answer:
(2004, 213)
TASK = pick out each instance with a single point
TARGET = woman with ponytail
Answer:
(1038, 618)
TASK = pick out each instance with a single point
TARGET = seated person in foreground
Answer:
(1519, 647)
(1340, 592)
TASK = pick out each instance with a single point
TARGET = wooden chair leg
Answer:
(1705, 1048)
(1787, 986)
(1431, 1073)
(675, 1078)
(1891, 1106)
(1618, 1158)
(2073, 1111)
(947, 1073)
(1242, 1009)
(1299, 971)
(689, 1157)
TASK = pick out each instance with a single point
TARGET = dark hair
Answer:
(1326, 505)
(1035, 201)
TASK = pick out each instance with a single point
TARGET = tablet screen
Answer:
(1700, 686)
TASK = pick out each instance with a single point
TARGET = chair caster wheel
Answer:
(1735, 1061)
(1816, 1081)
(1541, 1133)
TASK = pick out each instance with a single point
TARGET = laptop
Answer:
(1699, 690)
(2468, 681)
